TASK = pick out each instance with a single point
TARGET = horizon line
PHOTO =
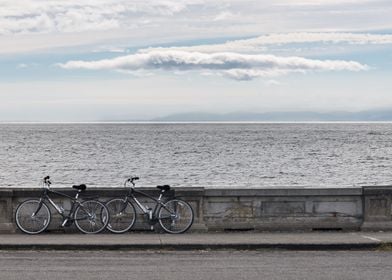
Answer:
(191, 122)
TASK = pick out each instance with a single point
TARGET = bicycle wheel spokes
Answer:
(122, 215)
(91, 216)
(176, 216)
(32, 216)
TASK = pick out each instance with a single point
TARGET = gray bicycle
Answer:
(174, 215)
(33, 215)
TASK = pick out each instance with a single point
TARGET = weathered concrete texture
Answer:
(6, 211)
(278, 209)
(283, 209)
(377, 208)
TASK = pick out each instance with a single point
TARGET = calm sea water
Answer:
(209, 155)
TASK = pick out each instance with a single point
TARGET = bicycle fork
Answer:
(39, 208)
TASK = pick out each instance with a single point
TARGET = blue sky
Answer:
(135, 60)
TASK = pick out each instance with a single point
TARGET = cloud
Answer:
(272, 83)
(36, 25)
(45, 16)
(233, 65)
(320, 2)
(225, 15)
(22, 65)
(110, 49)
(258, 44)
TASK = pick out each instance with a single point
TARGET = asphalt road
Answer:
(219, 265)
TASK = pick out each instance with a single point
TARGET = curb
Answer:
(190, 247)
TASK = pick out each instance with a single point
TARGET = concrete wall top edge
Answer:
(284, 192)
(90, 192)
(377, 189)
(199, 191)
(6, 193)
(214, 192)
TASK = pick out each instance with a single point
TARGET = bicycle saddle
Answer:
(164, 187)
(80, 187)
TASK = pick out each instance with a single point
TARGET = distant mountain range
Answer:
(371, 115)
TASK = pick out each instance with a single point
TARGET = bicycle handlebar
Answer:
(131, 180)
(46, 181)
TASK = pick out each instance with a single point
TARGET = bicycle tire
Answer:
(122, 215)
(91, 216)
(28, 223)
(176, 216)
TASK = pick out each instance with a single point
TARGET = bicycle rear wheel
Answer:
(91, 216)
(32, 216)
(176, 216)
(122, 215)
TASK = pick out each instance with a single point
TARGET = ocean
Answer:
(235, 155)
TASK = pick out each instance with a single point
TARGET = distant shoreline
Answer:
(371, 116)
(197, 122)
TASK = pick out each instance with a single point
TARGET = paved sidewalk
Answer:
(199, 241)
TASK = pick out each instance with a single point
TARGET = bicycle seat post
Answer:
(163, 189)
(80, 188)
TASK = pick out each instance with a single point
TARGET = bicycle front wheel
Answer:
(32, 216)
(91, 216)
(122, 215)
(176, 216)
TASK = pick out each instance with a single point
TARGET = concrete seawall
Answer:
(225, 209)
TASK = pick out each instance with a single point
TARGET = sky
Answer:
(112, 60)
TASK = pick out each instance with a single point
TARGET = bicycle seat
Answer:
(80, 187)
(164, 187)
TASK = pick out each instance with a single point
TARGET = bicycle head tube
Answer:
(131, 180)
(46, 182)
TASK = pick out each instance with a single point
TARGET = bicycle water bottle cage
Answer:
(164, 188)
(81, 187)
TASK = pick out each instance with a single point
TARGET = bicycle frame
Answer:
(89, 215)
(152, 213)
(75, 203)
(174, 215)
